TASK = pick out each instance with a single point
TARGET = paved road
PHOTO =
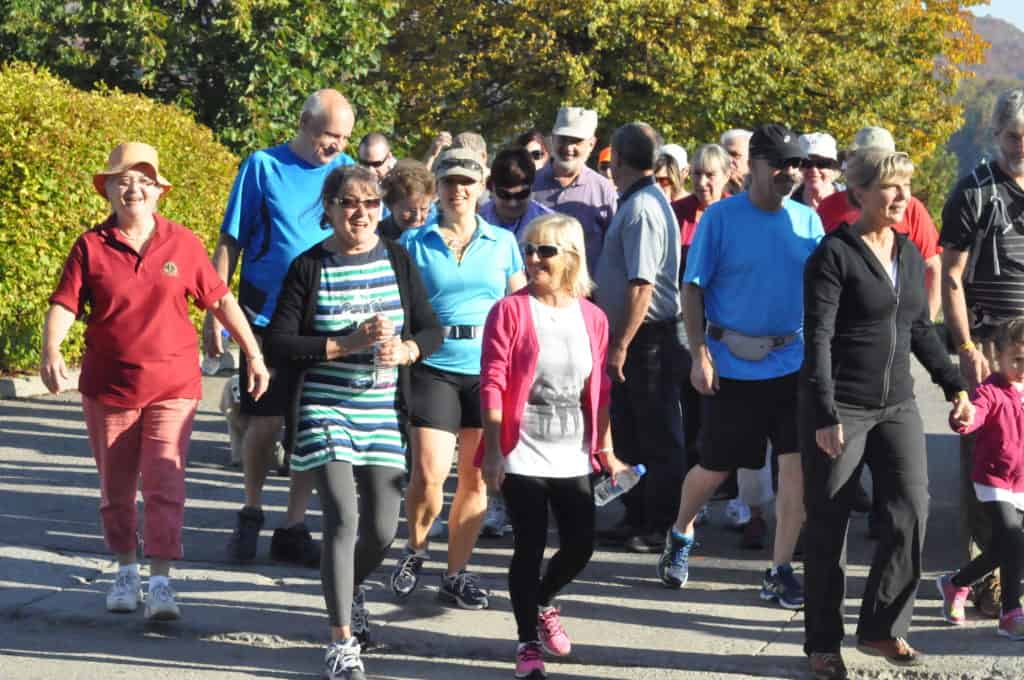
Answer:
(265, 621)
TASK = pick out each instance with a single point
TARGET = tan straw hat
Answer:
(125, 157)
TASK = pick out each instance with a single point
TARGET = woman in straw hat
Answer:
(130, 278)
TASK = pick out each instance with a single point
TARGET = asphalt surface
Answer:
(267, 621)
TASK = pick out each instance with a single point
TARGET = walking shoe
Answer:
(987, 596)
(954, 599)
(703, 516)
(530, 661)
(360, 618)
(495, 519)
(783, 587)
(896, 651)
(552, 635)
(406, 574)
(673, 567)
(827, 666)
(651, 543)
(737, 513)
(125, 594)
(160, 604)
(295, 545)
(1011, 624)
(342, 662)
(463, 589)
(246, 537)
(754, 534)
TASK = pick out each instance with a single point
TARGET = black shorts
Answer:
(442, 400)
(742, 417)
(278, 398)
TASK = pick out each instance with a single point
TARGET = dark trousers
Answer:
(1005, 551)
(527, 499)
(891, 442)
(647, 425)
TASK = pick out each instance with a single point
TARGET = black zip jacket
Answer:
(859, 329)
(292, 342)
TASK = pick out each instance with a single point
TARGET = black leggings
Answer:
(347, 562)
(527, 498)
(1005, 550)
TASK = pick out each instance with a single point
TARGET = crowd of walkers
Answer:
(740, 320)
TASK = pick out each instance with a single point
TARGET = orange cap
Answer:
(605, 156)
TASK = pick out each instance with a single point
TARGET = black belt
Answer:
(716, 332)
(463, 332)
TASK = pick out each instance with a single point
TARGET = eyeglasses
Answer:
(506, 195)
(536, 154)
(663, 181)
(786, 163)
(372, 164)
(819, 163)
(466, 163)
(124, 181)
(347, 203)
(544, 251)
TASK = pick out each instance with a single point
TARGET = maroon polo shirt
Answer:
(140, 345)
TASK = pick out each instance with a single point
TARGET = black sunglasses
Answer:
(819, 163)
(467, 163)
(537, 154)
(787, 163)
(506, 195)
(544, 251)
(372, 164)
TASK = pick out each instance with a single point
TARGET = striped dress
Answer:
(347, 410)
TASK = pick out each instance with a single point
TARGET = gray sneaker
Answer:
(674, 565)
(126, 593)
(406, 575)
(342, 661)
(160, 604)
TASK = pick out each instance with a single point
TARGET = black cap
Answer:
(775, 143)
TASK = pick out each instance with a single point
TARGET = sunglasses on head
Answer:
(353, 203)
(372, 164)
(544, 251)
(507, 195)
(819, 163)
(536, 154)
(466, 163)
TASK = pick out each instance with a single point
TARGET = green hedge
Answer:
(53, 137)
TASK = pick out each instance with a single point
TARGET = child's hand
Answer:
(962, 414)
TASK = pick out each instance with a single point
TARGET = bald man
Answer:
(375, 154)
(273, 215)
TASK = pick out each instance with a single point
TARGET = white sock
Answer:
(132, 568)
(155, 581)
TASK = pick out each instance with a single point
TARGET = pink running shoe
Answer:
(530, 661)
(953, 600)
(552, 635)
(1011, 624)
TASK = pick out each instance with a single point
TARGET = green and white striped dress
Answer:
(348, 411)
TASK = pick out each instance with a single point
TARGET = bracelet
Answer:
(962, 394)
(966, 347)
(606, 451)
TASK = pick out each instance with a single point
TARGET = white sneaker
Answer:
(494, 520)
(737, 513)
(342, 661)
(126, 593)
(160, 604)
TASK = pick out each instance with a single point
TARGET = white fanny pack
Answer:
(749, 347)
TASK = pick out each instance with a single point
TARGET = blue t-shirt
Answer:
(750, 265)
(274, 214)
(463, 294)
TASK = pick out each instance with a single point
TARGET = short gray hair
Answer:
(870, 166)
(736, 133)
(314, 109)
(636, 145)
(1009, 110)
(709, 155)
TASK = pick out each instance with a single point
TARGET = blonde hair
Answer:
(870, 166)
(566, 233)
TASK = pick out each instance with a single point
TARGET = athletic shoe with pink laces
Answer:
(954, 600)
(1011, 624)
(530, 661)
(552, 635)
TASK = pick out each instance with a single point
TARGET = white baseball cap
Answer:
(575, 121)
(676, 153)
(820, 144)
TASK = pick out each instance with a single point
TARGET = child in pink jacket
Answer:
(998, 478)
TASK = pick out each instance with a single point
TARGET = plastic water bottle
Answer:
(383, 376)
(612, 488)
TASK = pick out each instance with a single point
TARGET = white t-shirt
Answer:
(553, 437)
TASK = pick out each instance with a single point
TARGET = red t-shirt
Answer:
(917, 224)
(140, 345)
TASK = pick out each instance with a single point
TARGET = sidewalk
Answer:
(267, 621)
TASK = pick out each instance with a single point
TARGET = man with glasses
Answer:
(273, 216)
(375, 154)
(638, 288)
(510, 183)
(744, 279)
(568, 186)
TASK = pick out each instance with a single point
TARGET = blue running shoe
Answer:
(783, 587)
(673, 567)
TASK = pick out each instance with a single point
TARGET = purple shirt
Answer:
(590, 199)
(533, 209)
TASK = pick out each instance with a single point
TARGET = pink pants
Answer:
(151, 442)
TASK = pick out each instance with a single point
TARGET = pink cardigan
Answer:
(999, 447)
(509, 361)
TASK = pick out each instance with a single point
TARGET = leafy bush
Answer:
(53, 137)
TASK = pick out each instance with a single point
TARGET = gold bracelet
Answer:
(966, 347)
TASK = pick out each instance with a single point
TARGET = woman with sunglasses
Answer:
(545, 395)
(467, 266)
(819, 169)
(352, 316)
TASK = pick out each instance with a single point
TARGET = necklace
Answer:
(455, 244)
